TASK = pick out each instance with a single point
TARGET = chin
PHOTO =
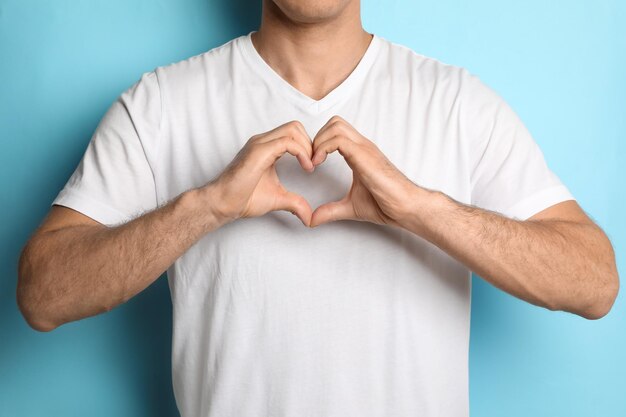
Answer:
(311, 11)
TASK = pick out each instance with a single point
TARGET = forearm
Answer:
(560, 265)
(80, 271)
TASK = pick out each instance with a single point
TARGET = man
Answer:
(187, 173)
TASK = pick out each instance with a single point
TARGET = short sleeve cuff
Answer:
(100, 212)
(539, 201)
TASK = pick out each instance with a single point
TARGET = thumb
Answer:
(329, 212)
(296, 204)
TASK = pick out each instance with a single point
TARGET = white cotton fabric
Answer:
(348, 319)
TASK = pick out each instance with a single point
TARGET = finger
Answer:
(296, 204)
(333, 121)
(307, 142)
(285, 144)
(338, 129)
(333, 127)
(336, 125)
(344, 145)
(333, 211)
(322, 129)
(294, 129)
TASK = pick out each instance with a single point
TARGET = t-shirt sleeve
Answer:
(509, 173)
(114, 180)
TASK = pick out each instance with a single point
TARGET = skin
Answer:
(74, 267)
(558, 258)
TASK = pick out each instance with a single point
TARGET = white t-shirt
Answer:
(347, 319)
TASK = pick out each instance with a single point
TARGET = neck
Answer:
(314, 57)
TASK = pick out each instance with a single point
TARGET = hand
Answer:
(379, 190)
(249, 185)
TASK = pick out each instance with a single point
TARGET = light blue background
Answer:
(560, 64)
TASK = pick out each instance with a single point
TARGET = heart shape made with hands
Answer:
(328, 182)
(351, 180)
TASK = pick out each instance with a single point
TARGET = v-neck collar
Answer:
(295, 96)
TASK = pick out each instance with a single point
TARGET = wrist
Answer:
(422, 206)
(203, 205)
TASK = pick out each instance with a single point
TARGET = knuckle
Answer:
(296, 123)
(337, 129)
(341, 130)
(336, 118)
(293, 132)
(335, 126)
(294, 126)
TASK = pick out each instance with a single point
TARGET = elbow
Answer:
(603, 302)
(35, 318)
(601, 299)
(30, 305)
(37, 323)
